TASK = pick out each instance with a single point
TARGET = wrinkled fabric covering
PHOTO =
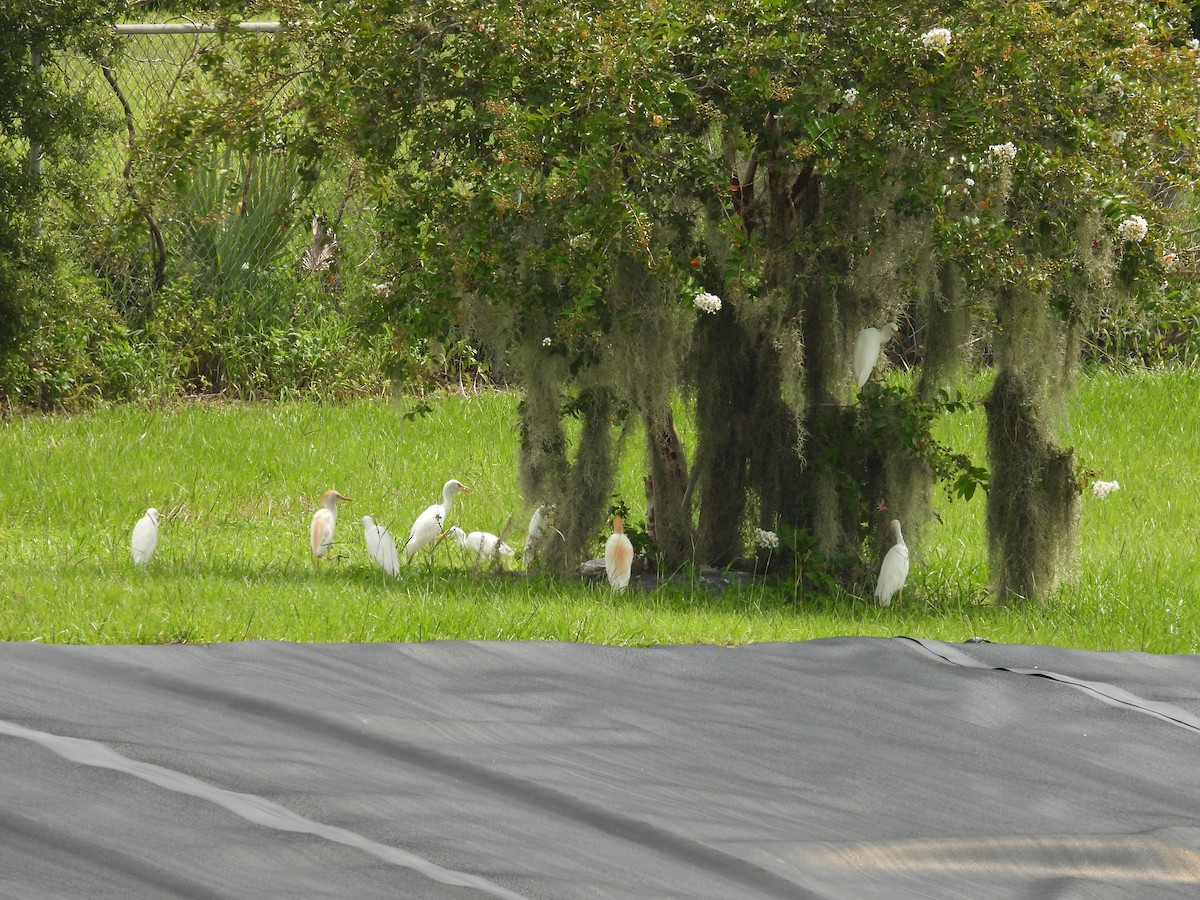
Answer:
(856, 768)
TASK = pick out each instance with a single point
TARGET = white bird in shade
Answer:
(482, 544)
(380, 546)
(618, 556)
(535, 535)
(867, 347)
(323, 522)
(429, 523)
(894, 570)
(145, 537)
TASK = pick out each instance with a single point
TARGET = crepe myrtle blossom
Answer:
(706, 302)
(1005, 152)
(936, 39)
(1102, 489)
(850, 95)
(1193, 44)
(1118, 136)
(1133, 229)
(768, 540)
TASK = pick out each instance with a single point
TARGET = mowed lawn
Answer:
(242, 481)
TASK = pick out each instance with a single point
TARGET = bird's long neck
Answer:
(447, 499)
(618, 525)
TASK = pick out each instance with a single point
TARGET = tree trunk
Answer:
(668, 506)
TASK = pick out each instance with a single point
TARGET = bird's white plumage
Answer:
(535, 535)
(145, 537)
(618, 556)
(481, 543)
(380, 546)
(429, 524)
(324, 521)
(867, 347)
(894, 571)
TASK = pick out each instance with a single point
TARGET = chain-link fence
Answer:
(219, 218)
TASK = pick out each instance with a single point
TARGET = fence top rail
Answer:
(190, 27)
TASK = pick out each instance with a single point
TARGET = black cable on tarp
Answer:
(1107, 693)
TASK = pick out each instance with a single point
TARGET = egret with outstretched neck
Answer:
(428, 525)
(894, 571)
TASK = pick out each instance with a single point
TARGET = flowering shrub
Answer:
(936, 39)
(1133, 229)
(767, 540)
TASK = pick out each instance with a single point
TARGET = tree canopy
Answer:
(625, 199)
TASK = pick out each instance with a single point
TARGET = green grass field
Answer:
(243, 480)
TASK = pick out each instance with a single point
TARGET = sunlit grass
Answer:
(242, 482)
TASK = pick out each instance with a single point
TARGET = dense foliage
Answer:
(621, 201)
(630, 197)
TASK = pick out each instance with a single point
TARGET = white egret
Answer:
(535, 535)
(618, 556)
(380, 546)
(894, 570)
(867, 347)
(429, 523)
(481, 543)
(145, 537)
(323, 522)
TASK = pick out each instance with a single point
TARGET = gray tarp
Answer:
(855, 768)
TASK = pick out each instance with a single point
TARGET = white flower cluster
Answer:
(1133, 229)
(1005, 152)
(1194, 44)
(1118, 136)
(1102, 489)
(768, 540)
(850, 95)
(709, 303)
(936, 39)
(546, 342)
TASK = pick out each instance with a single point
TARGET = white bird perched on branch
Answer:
(867, 347)
(481, 543)
(618, 556)
(323, 522)
(894, 570)
(380, 546)
(535, 535)
(145, 537)
(429, 524)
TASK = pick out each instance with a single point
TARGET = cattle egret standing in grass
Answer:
(145, 537)
(535, 535)
(894, 570)
(380, 546)
(618, 556)
(481, 543)
(429, 523)
(867, 347)
(323, 522)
